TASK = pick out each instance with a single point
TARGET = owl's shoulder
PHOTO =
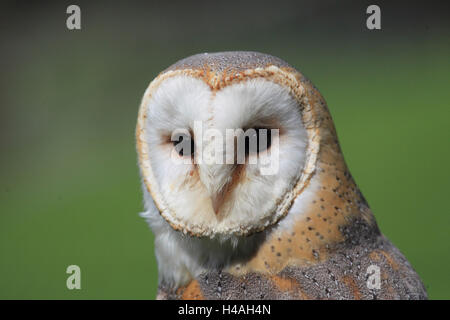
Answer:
(378, 271)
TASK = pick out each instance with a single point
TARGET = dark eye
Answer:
(184, 145)
(257, 140)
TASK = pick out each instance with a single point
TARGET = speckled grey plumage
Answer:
(233, 61)
(341, 276)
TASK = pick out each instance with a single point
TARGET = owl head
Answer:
(227, 141)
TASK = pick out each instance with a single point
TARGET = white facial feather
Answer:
(181, 257)
(185, 192)
(188, 192)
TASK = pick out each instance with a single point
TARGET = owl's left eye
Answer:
(184, 145)
(257, 140)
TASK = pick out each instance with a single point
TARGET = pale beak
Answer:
(216, 179)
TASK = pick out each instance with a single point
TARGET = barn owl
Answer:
(231, 230)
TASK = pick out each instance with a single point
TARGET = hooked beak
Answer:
(216, 178)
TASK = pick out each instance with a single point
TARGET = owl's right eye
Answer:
(184, 145)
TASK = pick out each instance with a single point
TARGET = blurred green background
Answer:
(70, 191)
